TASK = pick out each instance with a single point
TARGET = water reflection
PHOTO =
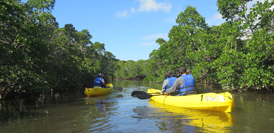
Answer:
(99, 105)
(185, 120)
(119, 112)
(119, 96)
(59, 113)
(101, 112)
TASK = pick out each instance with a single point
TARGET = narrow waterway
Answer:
(121, 113)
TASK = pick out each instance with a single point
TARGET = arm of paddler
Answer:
(165, 83)
(103, 82)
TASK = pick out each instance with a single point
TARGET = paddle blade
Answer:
(134, 93)
(119, 88)
(143, 96)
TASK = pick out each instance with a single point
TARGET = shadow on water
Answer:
(22, 108)
(17, 109)
(58, 112)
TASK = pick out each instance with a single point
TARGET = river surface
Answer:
(253, 112)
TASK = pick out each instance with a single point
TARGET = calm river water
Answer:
(121, 113)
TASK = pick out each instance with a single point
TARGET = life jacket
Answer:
(98, 82)
(171, 81)
(189, 84)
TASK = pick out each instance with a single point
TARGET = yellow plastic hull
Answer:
(210, 121)
(207, 101)
(97, 90)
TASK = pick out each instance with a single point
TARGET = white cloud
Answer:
(152, 5)
(146, 6)
(217, 16)
(155, 36)
(121, 14)
(133, 10)
(147, 43)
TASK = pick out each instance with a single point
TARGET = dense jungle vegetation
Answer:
(36, 55)
(237, 54)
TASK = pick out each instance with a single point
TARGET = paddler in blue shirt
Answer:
(168, 82)
(185, 83)
(99, 81)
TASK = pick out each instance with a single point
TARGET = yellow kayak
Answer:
(98, 90)
(207, 101)
(211, 121)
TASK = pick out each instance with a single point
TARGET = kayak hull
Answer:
(209, 121)
(97, 90)
(207, 101)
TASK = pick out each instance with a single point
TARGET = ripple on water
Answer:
(100, 124)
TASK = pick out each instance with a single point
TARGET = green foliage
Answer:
(237, 54)
(37, 56)
(130, 69)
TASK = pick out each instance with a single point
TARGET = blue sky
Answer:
(129, 28)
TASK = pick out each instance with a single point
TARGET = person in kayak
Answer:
(185, 83)
(99, 81)
(168, 82)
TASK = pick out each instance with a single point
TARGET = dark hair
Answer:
(169, 74)
(182, 69)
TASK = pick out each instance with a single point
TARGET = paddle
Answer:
(147, 96)
(143, 95)
(134, 93)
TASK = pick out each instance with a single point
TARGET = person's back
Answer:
(185, 83)
(189, 84)
(169, 81)
(99, 81)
